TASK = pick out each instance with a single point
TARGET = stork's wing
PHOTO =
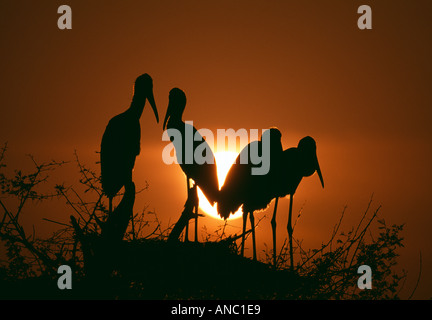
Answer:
(119, 148)
(203, 170)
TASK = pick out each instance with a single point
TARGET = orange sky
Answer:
(365, 96)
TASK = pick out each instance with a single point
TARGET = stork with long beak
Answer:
(295, 164)
(121, 140)
(204, 174)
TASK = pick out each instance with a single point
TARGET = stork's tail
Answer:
(223, 210)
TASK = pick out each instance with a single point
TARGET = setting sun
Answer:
(224, 161)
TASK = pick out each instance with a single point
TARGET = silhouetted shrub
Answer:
(146, 265)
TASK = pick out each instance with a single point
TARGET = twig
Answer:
(418, 278)
(335, 229)
(299, 215)
(364, 215)
(360, 237)
(60, 223)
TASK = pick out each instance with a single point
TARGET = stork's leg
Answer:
(245, 214)
(252, 222)
(196, 218)
(133, 226)
(290, 232)
(273, 224)
(186, 232)
(187, 223)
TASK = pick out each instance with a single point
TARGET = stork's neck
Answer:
(176, 118)
(137, 106)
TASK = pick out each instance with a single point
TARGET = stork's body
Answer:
(121, 140)
(186, 140)
(254, 192)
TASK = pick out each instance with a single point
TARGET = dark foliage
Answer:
(145, 265)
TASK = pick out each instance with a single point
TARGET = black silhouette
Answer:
(99, 252)
(203, 174)
(117, 222)
(121, 140)
(254, 192)
(296, 163)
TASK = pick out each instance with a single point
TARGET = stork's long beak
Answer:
(318, 170)
(167, 115)
(151, 100)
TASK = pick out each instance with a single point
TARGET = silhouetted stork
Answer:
(121, 140)
(186, 139)
(295, 164)
(254, 192)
